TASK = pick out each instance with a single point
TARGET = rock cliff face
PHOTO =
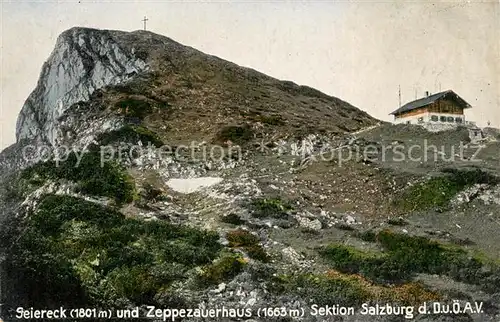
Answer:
(83, 61)
(268, 195)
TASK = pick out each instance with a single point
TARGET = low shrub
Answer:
(108, 179)
(469, 177)
(240, 237)
(403, 257)
(130, 134)
(345, 258)
(367, 236)
(249, 243)
(438, 191)
(321, 289)
(270, 119)
(72, 250)
(133, 107)
(257, 252)
(270, 207)
(308, 231)
(223, 269)
(397, 222)
(343, 226)
(232, 219)
(347, 289)
(14, 188)
(412, 293)
(236, 134)
(152, 193)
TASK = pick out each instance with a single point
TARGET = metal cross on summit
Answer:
(144, 20)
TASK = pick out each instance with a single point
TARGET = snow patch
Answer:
(191, 185)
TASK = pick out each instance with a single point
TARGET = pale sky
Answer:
(359, 51)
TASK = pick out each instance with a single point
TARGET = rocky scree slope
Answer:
(272, 225)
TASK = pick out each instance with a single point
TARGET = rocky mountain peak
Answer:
(85, 60)
(82, 61)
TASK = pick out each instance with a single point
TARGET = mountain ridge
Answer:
(104, 57)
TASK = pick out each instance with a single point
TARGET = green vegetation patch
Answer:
(438, 191)
(223, 269)
(269, 119)
(270, 208)
(397, 222)
(73, 250)
(130, 134)
(233, 219)
(108, 179)
(347, 259)
(148, 194)
(14, 189)
(348, 289)
(248, 242)
(151, 193)
(240, 237)
(134, 107)
(236, 134)
(321, 289)
(404, 256)
(367, 236)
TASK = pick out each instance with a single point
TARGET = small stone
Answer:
(251, 302)
(308, 223)
(221, 288)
